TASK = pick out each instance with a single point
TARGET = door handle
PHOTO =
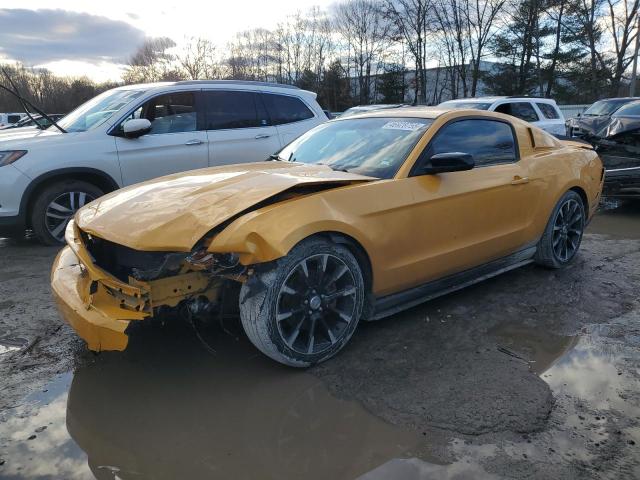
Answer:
(195, 141)
(518, 180)
(262, 135)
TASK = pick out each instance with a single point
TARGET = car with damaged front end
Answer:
(355, 220)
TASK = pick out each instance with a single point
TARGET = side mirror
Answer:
(579, 114)
(136, 127)
(448, 162)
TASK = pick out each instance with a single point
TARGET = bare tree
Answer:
(198, 59)
(481, 16)
(450, 20)
(623, 16)
(152, 62)
(555, 12)
(411, 19)
(366, 32)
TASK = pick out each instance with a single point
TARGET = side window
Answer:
(521, 110)
(233, 109)
(170, 113)
(285, 109)
(489, 142)
(629, 109)
(549, 111)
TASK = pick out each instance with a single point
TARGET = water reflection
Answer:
(35, 442)
(536, 345)
(170, 410)
(166, 408)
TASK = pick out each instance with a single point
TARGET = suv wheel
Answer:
(56, 205)
(304, 307)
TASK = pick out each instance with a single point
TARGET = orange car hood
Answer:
(172, 213)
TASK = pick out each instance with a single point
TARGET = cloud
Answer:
(35, 37)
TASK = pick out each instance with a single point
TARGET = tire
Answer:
(563, 233)
(285, 301)
(56, 204)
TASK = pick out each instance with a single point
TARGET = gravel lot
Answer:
(534, 374)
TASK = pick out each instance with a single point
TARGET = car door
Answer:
(238, 127)
(290, 114)
(459, 220)
(175, 143)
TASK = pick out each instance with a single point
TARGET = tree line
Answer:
(365, 51)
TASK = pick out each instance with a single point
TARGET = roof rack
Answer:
(236, 82)
(528, 96)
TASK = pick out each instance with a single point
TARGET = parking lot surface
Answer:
(533, 374)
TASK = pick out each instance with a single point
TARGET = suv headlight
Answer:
(10, 156)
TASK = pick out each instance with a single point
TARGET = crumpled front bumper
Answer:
(100, 306)
(69, 282)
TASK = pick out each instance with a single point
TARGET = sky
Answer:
(94, 38)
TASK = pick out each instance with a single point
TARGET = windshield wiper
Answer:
(24, 102)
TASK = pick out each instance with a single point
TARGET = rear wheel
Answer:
(563, 234)
(56, 205)
(306, 306)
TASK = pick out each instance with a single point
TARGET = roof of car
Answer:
(209, 82)
(406, 112)
(618, 98)
(477, 99)
(495, 98)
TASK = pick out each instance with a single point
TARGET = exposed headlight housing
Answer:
(9, 156)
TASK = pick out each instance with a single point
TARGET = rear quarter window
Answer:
(285, 109)
(549, 111)
(521, 110)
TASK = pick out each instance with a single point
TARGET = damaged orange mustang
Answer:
(355, 220)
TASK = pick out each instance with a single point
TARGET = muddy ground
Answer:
(534, 374)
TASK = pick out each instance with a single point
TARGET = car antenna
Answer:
(24, 102)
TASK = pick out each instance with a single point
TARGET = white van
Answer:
(133, 133)
(11, 118)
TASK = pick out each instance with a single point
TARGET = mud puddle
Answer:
(617, 220)
(594, 428)
(166, 408)
(595, 425)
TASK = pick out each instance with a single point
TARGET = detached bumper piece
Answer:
(100, 306)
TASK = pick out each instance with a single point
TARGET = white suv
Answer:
(542, 112)
(134, 133)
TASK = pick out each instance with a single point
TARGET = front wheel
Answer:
(563, 233)
(56, 204)
(304, 307)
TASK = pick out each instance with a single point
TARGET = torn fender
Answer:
(269, 233)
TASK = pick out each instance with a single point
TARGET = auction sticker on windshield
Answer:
(409, 126)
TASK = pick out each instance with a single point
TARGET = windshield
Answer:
(604, 107)
(375, 147)
(94, 112)
(461, 105)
